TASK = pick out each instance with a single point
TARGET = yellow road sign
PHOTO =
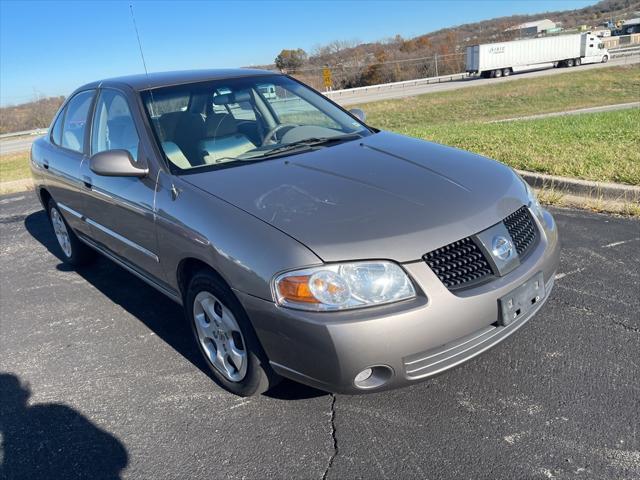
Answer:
(326, 76)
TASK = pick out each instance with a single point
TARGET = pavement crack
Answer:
(334, 438)
(628, 328)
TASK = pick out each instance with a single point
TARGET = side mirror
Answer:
(359, 114)
(116, 163)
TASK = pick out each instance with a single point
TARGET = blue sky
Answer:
(49, 48)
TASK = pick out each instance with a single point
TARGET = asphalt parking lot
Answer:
(99, 379)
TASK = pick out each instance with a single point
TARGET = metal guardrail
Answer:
(37, 131)
(615, 53)
(394, 85)
(625, 51)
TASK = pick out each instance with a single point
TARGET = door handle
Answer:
(45, 164)
(87, 182)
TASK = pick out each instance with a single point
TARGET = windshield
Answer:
(234, 121)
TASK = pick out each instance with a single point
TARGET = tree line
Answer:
(356, 64)
(29, 116)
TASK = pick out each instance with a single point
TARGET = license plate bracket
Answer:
(517, 303)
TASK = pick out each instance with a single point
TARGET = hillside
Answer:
(28, 116)
(399, 59)
(352, 64)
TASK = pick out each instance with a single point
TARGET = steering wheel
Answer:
(271, 133)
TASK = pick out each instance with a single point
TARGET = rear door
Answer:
(120, 210)
(66, 160)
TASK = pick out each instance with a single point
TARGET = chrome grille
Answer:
(522, 229)
(463, 264)
(459, 263)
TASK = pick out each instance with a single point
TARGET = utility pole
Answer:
(436, 59)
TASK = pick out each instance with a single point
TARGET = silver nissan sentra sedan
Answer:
(301, 242)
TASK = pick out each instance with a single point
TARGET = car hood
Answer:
(385, 196)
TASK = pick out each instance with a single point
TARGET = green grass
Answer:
(14, 166)
(597, 146)
(527, 96)
(601, 146)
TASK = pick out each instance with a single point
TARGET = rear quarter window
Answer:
(75, 121)
(56, 130)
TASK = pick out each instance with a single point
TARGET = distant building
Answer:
(531, 29)
(630, 26)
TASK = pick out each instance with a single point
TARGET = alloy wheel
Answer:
(61, 232)
(220, 336)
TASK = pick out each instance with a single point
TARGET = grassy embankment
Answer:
(599, 146)
(14, 166)
(603, 146)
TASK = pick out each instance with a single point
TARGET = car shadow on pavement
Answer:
(52, 440)
(160, 314)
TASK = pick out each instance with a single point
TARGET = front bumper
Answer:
(412, 340)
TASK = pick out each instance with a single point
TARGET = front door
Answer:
(120, 210)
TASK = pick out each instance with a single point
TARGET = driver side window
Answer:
(113, 125)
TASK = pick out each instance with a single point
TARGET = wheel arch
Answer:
(44, 196)
(188, 267)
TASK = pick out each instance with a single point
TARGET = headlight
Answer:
(343, 286)
(534, 204)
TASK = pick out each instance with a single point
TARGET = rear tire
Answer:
(225, 337)
(569, 62)
(73, 250)
(577, 62)
(497, 73)
(506, 72)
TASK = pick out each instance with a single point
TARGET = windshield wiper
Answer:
(304, 144)
(313, 141)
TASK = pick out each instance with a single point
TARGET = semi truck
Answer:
(502, 59)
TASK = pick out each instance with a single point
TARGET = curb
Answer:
(14, 186)
(583, 188)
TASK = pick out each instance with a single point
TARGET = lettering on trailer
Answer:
(497, 49)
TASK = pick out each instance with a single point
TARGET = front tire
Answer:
(578, 62)
(605, 59)
(225, 337)
(73, 250)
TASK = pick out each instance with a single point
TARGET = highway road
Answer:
(99, 378)
(346, 97)
(14, 145)
(375, 94)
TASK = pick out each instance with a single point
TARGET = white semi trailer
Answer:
(505, 58)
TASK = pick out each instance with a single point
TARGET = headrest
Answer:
(220, 125)
(233, 97)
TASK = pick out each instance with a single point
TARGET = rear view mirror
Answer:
(116, 163)
(359, 114)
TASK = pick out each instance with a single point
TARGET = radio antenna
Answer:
(144, 63)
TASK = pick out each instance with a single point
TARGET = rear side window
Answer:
(113, 125)
(75, 121)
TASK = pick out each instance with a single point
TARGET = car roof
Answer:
(163, 79)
